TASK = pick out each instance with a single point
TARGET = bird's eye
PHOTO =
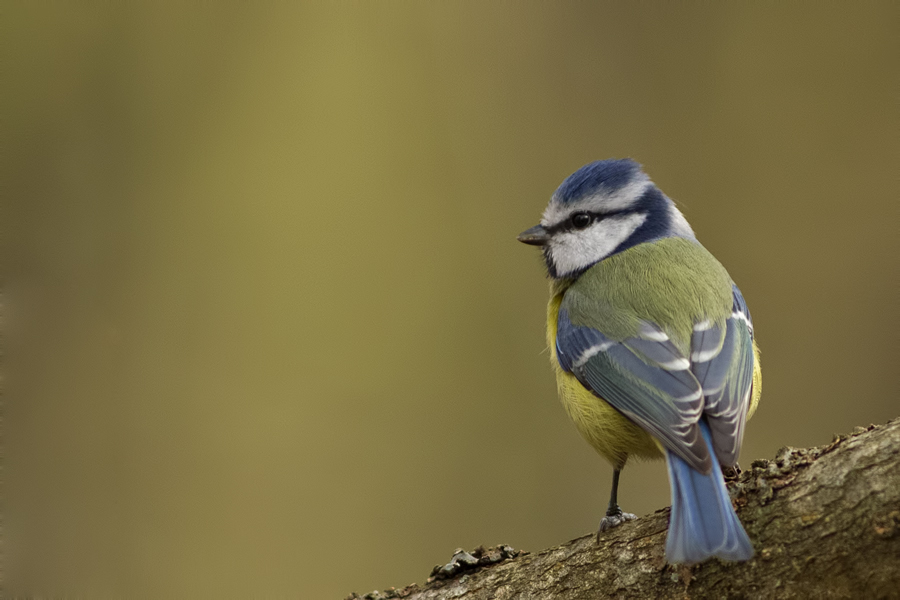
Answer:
(581, 220)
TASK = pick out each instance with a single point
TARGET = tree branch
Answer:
(825, 523)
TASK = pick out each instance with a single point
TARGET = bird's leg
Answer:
(614, 515)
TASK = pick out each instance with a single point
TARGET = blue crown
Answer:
(610, 174)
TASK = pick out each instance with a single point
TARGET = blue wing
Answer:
(649, 380)
(727, 380)
(645, 378)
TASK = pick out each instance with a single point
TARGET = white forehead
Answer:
(603, 200)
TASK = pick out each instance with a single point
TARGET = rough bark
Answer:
(825, 523)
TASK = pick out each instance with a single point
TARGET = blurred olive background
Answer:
(268, 328)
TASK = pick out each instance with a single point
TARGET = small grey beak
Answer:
(536, 236)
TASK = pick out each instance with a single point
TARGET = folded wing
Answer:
(649, 380)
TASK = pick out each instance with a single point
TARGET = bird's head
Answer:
(603, 208)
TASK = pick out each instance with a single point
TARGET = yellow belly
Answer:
(612, 435)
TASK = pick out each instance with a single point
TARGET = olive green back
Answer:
(673, 283)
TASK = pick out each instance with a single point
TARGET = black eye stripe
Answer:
(567, 225)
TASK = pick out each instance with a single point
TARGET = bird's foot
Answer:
(614, 518)
(731, 473)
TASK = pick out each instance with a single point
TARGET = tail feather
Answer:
(703, 522)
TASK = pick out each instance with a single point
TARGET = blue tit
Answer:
(652, 345)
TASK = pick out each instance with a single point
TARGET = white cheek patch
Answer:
(575, 250)
(620, 199)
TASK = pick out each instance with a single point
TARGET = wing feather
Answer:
(728, 398)
(665, 402)
(649, 380)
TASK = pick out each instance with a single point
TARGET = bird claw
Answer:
(731, 473)
(614, 520)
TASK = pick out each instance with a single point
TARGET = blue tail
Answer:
(703, 523)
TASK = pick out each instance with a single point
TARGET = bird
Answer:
(653, 348)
